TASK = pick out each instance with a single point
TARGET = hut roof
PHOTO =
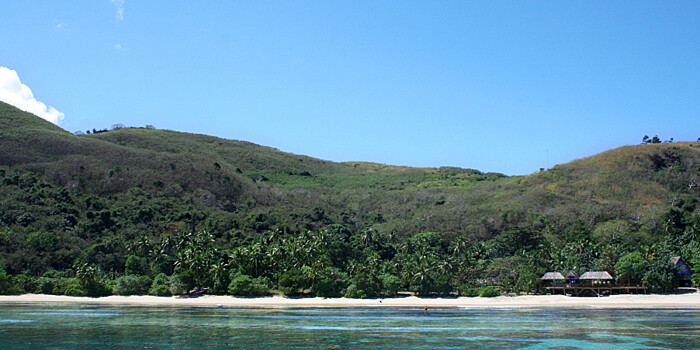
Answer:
(553, 276)
(596, 275)
(676, 259)
(572, 274)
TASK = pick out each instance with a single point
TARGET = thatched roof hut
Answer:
(572, 276)
(596, 275)
(551, 276)
(683, 271)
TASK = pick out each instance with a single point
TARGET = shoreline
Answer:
(686, 300)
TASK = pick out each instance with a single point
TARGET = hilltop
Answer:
(99, 198)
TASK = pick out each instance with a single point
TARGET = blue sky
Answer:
(496, 86)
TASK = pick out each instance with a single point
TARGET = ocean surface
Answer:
(118, 327)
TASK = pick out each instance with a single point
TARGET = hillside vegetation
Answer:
(144, 210)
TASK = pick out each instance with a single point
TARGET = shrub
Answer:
(294, 281)
(467, 290)
(6, 284)
(78, 288)
(136, 265)
(97, 289)
(442, 284)
(631, 268)
(488, 292)
(177, 286)
(160, 290)
(527, 282)
(23, 283)
(364, 285)
(71, 287)
(44, 285)
(390, 284)
(132, 285)
(160, 286)
(245, 285)
(331, 283)
(662, 275)
(353, 292)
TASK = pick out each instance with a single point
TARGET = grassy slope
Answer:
(643, 175)
(280, 168)
(99, 166)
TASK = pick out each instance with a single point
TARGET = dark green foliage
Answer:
(45, 285)
(161, 291)
(96, 288)
(488, 292)
(528, 282)
(331, 283)
(390, 284)
(364, 284)
(160, 286)
(661, 276)
(7, 286)
(136, 265)
(631, 268)
(89, 280)
(183, 282)
(72, 287)
(295, 281)
(180, 283)
(467, 290)
(132, 285)
(655, 139)
(244, 285)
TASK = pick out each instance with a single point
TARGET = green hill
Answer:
(102, 197)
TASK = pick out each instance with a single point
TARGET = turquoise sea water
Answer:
(85, 326)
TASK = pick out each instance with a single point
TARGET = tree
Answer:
(631, 268)
(654, 139)
(136, 265)
(365, 284)
(132, 285)
(247, 286)
(295, 281)
(87, 275)
(488, 292)
(331, 283)
(160, 286)
(662, 275)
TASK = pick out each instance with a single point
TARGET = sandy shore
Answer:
(690, 300)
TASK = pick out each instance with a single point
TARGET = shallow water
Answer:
(84, 327)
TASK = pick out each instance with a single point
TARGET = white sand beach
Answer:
(690, 300)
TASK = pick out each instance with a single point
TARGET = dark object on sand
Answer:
(198, 292)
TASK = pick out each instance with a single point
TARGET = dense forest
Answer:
(146, 211)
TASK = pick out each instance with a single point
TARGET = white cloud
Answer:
(119, 4)
(62, 26)
(12, 91)
(119, 47)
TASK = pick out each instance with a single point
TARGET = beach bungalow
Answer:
(551, 277)
(683, 271)
(572, 277)
(592, 283)
(598, 282)
(596, 277)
